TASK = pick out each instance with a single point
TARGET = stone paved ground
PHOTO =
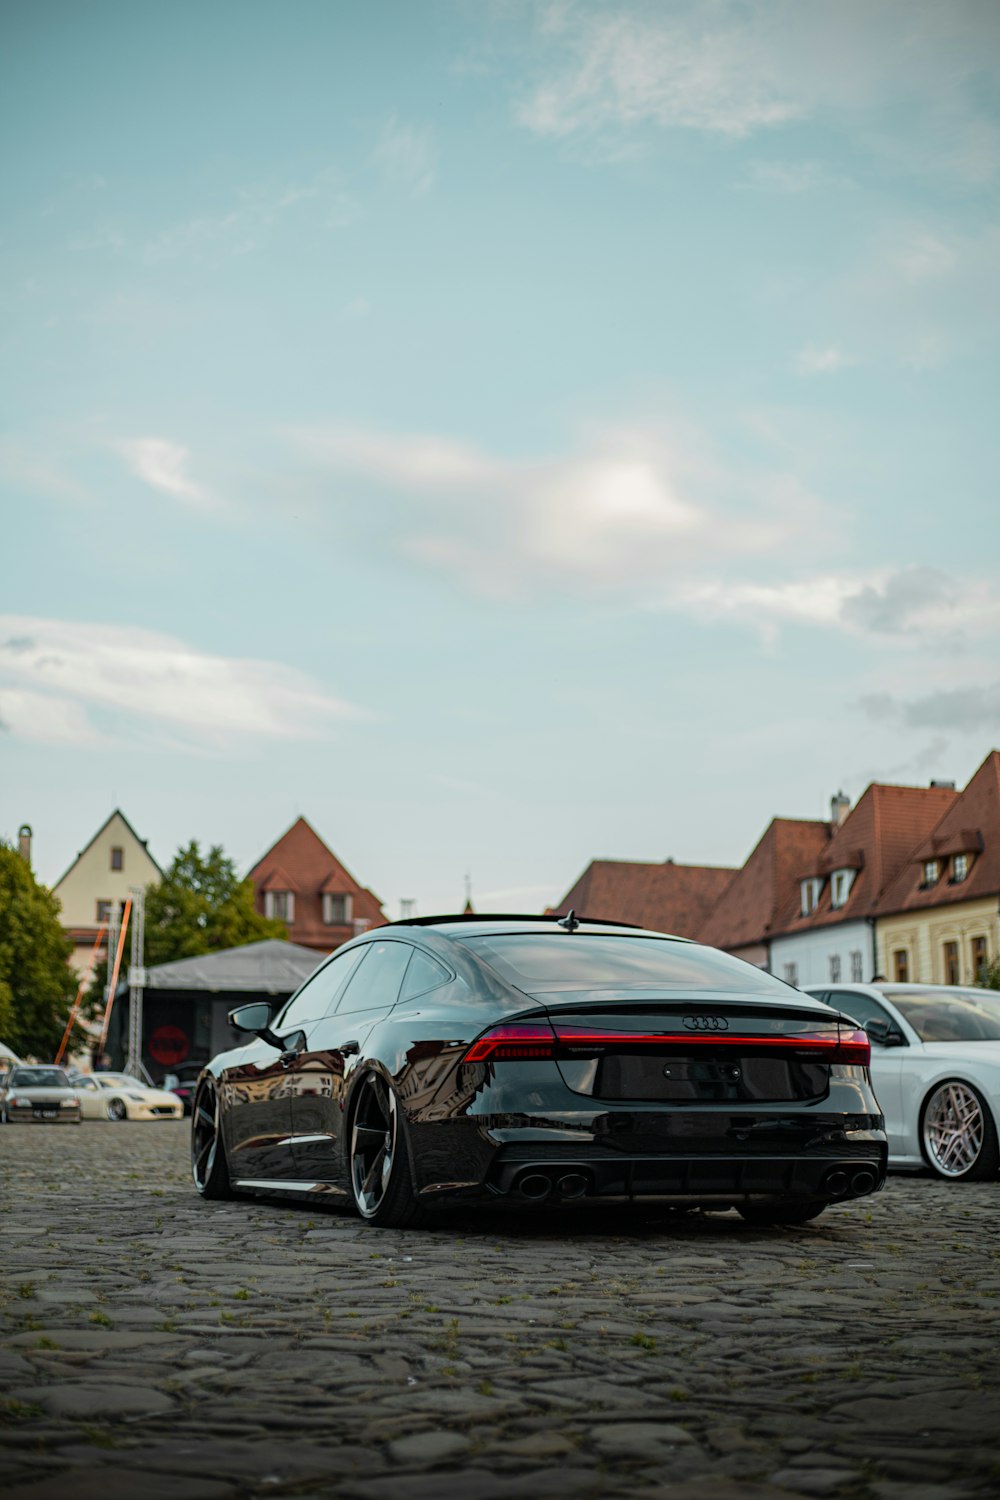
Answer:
(157, 1346)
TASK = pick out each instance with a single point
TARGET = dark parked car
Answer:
(530, 1060)
(183, 1081)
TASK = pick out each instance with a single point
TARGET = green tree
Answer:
(36, 983)
(989, 976)
(200, 906)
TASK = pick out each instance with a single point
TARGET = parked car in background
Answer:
(38, 1094)
(118, 1096)
(936, 1071)
(525, 1061)
(182, 1081)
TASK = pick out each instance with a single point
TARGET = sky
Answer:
(505, 433)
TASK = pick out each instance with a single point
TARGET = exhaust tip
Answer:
(535, 1186)
(862, 1182)
(837, 1183)
(572, 1185)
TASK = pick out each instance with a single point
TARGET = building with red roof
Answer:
(765, 889)
(302, 882)
(938, 919)
(666, 897)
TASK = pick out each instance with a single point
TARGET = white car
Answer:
(936, 1071)
(117, 1096)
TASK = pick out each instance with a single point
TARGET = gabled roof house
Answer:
(744, 918)
(666, 897)
(302, 882)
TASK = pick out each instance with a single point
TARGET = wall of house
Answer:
(751, 953)
(812, 951)
(91, 879)
(923, 934)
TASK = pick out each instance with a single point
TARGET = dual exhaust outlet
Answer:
(535, 1187)
(841, 1183)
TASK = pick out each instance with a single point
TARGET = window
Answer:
(932, 871)
(536, 961)
(361, 924)
(980, 957)
(104, 911)
(840, 887)
(951, 963)
(337, 909)
(810, 894)
(959, 868)
(901, 966)
(280, 905)
(834, 968)
(320, 993)
(792, 974)
(857, 972)
(424, 973)
(117, 857)
(377, 981)
(861, 1008)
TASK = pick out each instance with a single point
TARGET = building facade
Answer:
(765, 888)
(301, 882)
(114, 862)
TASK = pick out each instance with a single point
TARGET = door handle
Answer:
(349, 1049)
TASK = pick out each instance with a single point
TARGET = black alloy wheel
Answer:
(764, 1215)
(380, 1167)
(209, 1167)
(116, 1109)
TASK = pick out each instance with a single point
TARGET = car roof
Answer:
(469, 924)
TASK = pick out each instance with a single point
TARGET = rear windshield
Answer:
(547, 961)
(959, 1017)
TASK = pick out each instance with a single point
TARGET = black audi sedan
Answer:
(527, 1060)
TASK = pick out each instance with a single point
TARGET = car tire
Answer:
(958, 1135)
(765, 1214)
(379, 1159)
(117, 1109)
(209, 1163)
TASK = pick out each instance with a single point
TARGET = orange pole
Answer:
(79, 994)
(114, 974)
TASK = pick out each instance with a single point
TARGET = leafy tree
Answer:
(36, 983)
(200, 906)
(989, 976)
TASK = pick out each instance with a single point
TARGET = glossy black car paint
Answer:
(529, 1130)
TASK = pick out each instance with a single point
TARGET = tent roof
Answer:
(272, 967)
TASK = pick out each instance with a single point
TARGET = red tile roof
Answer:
(301, 859)
(970, 825)
(667, 898)
(768, 884)
(876, 839)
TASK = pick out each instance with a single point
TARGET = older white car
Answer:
(37, 1094)
(118, 1096)
(935, 1069)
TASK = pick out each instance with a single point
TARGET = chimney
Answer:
(840, 806)
(24, 843)
(944, 786)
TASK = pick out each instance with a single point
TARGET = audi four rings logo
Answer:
(706, 1023)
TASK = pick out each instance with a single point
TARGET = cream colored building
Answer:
(941, 945)
(115, 861)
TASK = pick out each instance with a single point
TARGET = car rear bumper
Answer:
(29, 1117)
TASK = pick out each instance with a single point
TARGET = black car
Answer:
(527, 1060)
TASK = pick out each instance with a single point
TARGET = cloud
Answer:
(55, 674)
(406, 156)
(632, 507)
(789, 177)
(968, 709)
(162, 465)
(813, 361)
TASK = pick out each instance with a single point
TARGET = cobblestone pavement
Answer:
(156, 1346)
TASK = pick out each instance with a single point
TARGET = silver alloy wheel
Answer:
(373, 1145)
(954, 1129)
(204, 1135)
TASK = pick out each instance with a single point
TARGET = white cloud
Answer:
(249, 216)
(55, 673)
(163, 466)
(407, 157)
(826, 361)
(634, 506)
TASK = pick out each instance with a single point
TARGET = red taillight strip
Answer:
(506, 1043)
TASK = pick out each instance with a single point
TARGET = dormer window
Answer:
(117, 857)
(811, 889)
(337, 909)
(280, 905)
(840, 887)
(959, 868)
(932, 871)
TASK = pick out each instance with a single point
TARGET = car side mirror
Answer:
(883, 1033)
(256, 1018)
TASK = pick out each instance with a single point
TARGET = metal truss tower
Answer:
(136, 984)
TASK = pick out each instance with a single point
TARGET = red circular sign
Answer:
(169, 1045)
